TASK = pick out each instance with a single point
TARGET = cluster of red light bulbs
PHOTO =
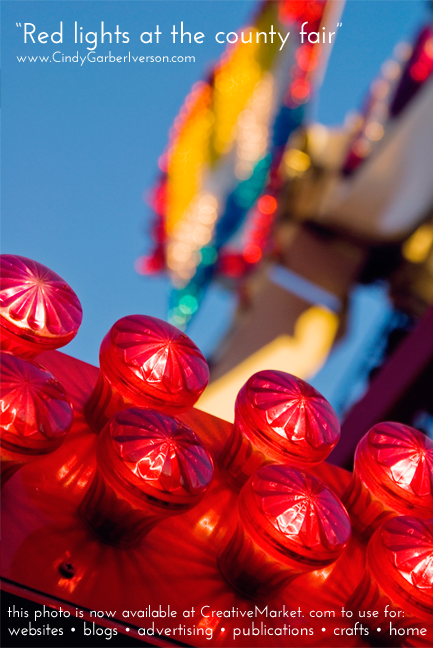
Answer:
(151, 465)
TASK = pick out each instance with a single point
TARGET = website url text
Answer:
(91, 57)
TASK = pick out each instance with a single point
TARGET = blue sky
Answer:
(81, 143)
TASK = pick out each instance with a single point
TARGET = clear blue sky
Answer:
(81, 143)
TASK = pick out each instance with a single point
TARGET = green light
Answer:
(176, 317)
(188, 305)
(208, 255)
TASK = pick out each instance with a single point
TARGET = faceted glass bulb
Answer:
(38, 309)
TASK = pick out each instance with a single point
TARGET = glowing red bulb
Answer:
(300, 10)
(36, 413)
(267, 204)
(281, 418)
(306, 58)
(420, 71)
(231, 265)
(148, 265)
(146, 362)
(252, 253)
(38, 310)
(300, 90)
(159, 201)
(393, 475)
(398, 577)
(150, 467)
(289, 523)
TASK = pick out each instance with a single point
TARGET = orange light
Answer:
(267, 204)
(374, 131)
(428, 48)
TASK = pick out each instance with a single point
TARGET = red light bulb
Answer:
(267, 204)
(38, 310)
(398, 581)
(149, 467)
(278, 418)
(289, 523)
(146, 362)
(393, 475)
(36, 413)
